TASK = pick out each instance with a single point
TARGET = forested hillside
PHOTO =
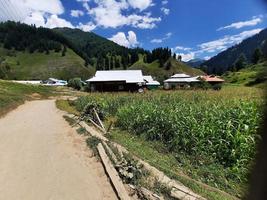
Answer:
(27, 52)
(246, 51)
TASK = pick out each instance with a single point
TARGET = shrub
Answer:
(75, 83)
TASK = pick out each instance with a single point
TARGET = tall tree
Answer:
(241, 62)
(257, 55)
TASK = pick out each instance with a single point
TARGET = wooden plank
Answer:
(112, 173)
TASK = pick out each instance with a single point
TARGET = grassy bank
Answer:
(14, 94)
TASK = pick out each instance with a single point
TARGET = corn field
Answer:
(213, 126)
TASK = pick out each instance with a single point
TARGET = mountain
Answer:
(27, 52)
(195, 62)
(225, 60)
(99, 51)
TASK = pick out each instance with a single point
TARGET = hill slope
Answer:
(26, 66)
(171, 67)
(224, 60)
(253, 75)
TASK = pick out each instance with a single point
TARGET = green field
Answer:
(40, 66)
(209, 136)
(14, 94)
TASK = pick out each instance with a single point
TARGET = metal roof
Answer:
(180, 76)
(150, 81)
(182, 80)
(212, 79)
(129, 76)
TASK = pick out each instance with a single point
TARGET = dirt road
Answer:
(42, 157)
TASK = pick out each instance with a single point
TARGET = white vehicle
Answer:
(55, 82)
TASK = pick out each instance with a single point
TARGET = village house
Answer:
(117, 80)
(151, 83)
(180, 81)
(212, 79)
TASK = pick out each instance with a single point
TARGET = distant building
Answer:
(180, 81)
(54, 82)
(117, 80)
(151, 83)
(211, 79)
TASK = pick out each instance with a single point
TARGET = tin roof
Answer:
(182, 80)
(129, 76)
(180, 76)
(212, 79)
(150, 81)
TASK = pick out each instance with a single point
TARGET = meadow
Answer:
(209, 136)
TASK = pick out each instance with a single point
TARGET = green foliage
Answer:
(240, 63)
(129, 169)
(75, 83)
(92, 143)
(257, 56)
(207, 126)
(81, 131)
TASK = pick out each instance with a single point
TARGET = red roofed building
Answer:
(212, 79)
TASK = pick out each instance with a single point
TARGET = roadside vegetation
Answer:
(209, 136)
(13, 94)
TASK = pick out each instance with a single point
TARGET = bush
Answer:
(75, 83)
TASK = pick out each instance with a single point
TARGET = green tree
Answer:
(64, 50)
(257, 55)
(241, 62)
(174, 56)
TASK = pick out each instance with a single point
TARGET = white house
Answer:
(180, 81)
(117, 80)
(150, 82)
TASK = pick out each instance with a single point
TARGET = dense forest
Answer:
(96, 51)
(238, 56)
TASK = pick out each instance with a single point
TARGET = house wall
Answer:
(113, 86)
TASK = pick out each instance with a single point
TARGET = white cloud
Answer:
(166, 11)
(76, 13)
(160, 40)
(237, 25)
(164, 2)
(123, 40)
(40, 13)
(226, 41)
(207, 57)
(110, 13)
(54, 21)
(187, 56)
(182, 48)
(87, 27)
(140, 4)
(36, 18)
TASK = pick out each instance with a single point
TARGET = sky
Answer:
(191, 28)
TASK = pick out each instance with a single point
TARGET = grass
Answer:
(249, 75)
(149, 151)
(65, 106)
(26, 66)
(180, 133)
(13, 94)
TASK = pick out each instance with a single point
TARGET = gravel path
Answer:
(42, 157)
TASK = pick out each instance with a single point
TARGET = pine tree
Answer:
(241, 62)
(257, 55)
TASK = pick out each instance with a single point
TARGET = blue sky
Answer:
(192, 28)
